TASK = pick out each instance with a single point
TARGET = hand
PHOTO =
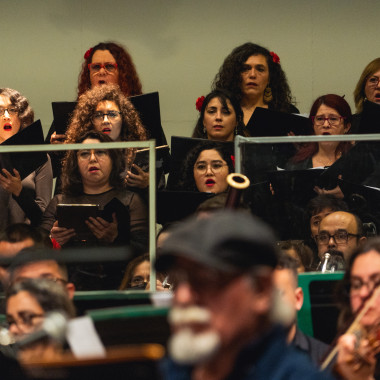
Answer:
(336, 192)
(140, 180)
(57, 139)
(159, 287)
(103, 230)
(356, 361)
(11, 183)
(61, 234)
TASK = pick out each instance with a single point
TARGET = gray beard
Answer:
(189, 348)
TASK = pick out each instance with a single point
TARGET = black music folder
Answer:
(267, 122)
(24, 162)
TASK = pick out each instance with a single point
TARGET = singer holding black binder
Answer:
(22, 198)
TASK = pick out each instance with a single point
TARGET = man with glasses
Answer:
(340, 233)
(221, 268)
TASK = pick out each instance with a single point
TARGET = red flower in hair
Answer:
(199, 103)
(275, 57)
(55, 244)
(88, 53)
(233, 160)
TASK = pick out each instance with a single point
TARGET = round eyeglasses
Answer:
(373, 81)
(215, 166)
(12, 111)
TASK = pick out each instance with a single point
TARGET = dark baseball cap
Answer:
(228, 240)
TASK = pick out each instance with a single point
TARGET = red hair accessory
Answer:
(199, 103)
(56, 245)
(88, 53)
(233, 160)
(275, 57)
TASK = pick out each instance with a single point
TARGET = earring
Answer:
(268, 95)
(204, 130)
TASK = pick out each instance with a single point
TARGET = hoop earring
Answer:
(268, 97)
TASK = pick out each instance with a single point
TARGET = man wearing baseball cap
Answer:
(222, 314)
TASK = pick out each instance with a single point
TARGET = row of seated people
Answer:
(37, 286)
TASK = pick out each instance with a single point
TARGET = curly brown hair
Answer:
(71, 179)
(131, 129)
(129, 81)
(25, 112)
(229, 76)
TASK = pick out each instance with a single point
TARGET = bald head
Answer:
(340, 222)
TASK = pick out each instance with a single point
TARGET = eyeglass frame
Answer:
(373, 84)
(334, 237)
(209, 164)
(371, 284)
(11, 111)
(328, 120)
(92, 152)
(97, 114)
(102, 66)
(22, 320)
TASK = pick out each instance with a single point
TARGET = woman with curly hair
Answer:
(94, 177)
(206, 168)
(109, 63)
(221, 117)
(255, 76)
(23, 201)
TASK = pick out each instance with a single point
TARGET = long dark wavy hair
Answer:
(19, 101)
(187, 181)
(343, 108)
(72, 180)
(129, 81)
(224, 96)
(229, 76)
(343, 290)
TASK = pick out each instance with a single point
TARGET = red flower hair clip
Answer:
(275, 57)
(88, 53)
(199, 103)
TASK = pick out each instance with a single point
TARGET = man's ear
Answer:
(299, 298)
(70, 287)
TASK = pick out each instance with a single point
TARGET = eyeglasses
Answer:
(25, 319)
(98, 116)
(11, 111)
(138, 281)
(340, 237)
(107, 66)
(215, 166)
(356, 284)
(332, 120)
(86, 154)
(373, 81)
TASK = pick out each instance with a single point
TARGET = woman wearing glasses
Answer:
(94, 177)
(206, 168)
(330, 115)
(21, 200)
(367, 88)
(27, 303)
